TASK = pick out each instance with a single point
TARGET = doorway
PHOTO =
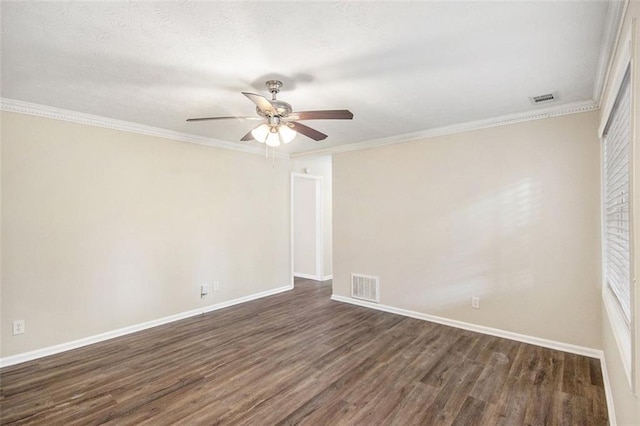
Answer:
(307, 245)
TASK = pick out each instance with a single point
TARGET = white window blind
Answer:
(617, 152)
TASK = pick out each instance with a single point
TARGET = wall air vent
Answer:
(544, 99)
(365, 287)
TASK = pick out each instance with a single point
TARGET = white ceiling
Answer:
(400, 67)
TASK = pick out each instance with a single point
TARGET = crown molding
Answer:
(572, 108)
(616, 11)
(21, 107)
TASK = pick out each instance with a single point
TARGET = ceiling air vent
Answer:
(365, 287)
(544, 99)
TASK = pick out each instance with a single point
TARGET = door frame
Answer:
(319, 227)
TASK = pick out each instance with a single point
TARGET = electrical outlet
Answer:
(216, 286)
(475, 302)
(18, 327)
(204, 290)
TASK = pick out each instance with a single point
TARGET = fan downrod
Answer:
(274, 87)
(280, 108)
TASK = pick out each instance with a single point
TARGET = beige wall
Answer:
(509, 214)
(104, 229)
(626, 403)
(321, 166)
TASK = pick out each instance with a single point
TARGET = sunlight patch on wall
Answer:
(489, 248)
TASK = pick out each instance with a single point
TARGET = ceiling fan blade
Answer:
(307, 131)
(223, 118)
(248, 137)
(262, 102)
(330, 114)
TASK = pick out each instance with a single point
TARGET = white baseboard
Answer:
(305, 276)
(551, 344)
(244, 299)
(312, 277)
(607, 391)
(51, 350)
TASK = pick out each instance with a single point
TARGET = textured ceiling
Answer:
(400, 67)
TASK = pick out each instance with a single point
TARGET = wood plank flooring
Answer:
(300, 358)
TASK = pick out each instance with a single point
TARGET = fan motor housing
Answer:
(282, 109)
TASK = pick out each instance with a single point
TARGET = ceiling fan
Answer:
(282, 123)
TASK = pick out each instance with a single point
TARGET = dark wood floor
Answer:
(299, 357)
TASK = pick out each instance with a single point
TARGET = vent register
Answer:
(365, 287)
(544, 99)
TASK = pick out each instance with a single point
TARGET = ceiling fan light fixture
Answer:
(273, 137)
(282, 124)
(286, 133)
(260, 133)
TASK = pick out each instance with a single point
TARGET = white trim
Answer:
(603, 365)
(634, 294)
(327, 277)
(616, 10)
(305, 276)
(624, 333)
(608, 393)
(291, 230)
(319, 261)
(555, 111)
(21, 107)
(319, 228)
(621, 332)
(63, 347)
(551, 344)
(618, 71)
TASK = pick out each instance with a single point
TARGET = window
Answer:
(616, 203)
